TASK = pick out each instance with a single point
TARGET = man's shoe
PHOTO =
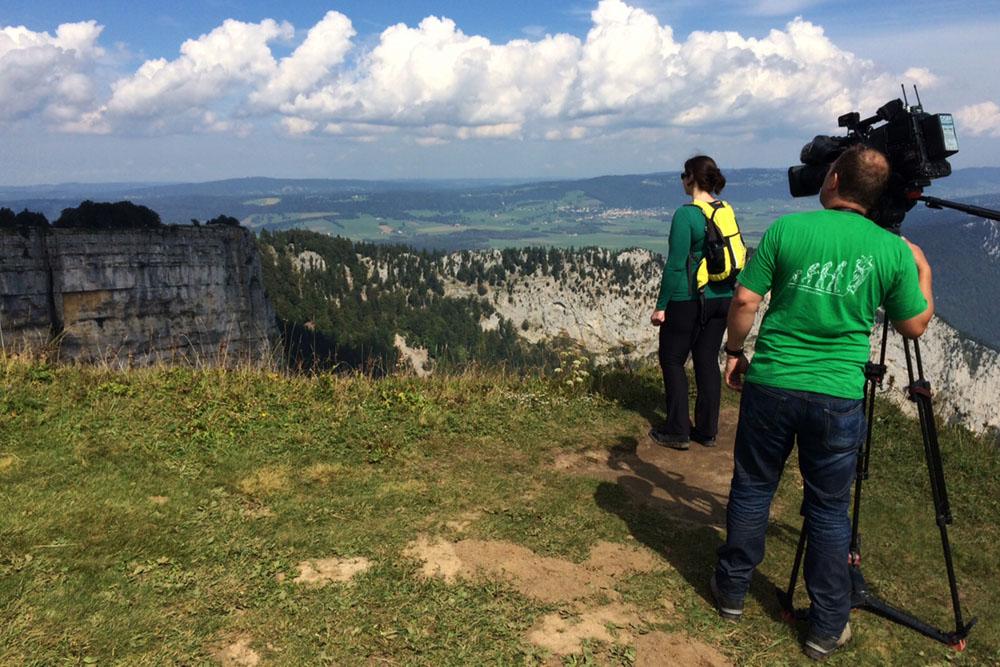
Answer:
(728, 609)
(703, 441)
(667, 440)
(820, 648)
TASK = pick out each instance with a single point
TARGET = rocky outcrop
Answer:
(175, 293)
(590, 305)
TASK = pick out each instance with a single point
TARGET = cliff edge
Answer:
(135, 296)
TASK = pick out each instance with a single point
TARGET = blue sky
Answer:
(105, 91)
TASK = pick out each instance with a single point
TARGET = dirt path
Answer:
(690, 485)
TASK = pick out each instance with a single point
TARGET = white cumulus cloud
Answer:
(434, 73)
(979, 120)
(51, 75)
(295, 125)
(434, 83)
(629, 71)
(326, 45)
(225, 61)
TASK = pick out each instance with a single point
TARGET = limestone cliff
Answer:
(135, 296)
(610, 318)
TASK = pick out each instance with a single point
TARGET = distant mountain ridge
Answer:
(246, 186)
(612, 190)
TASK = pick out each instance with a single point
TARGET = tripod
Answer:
(861, 596)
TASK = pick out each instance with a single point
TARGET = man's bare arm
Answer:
(917, 325)
(742, 311)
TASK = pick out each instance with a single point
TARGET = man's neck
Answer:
(841, 204)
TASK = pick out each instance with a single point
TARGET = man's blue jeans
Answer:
(829, 431)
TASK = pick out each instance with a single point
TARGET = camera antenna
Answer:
(917, 93)
(903, 88)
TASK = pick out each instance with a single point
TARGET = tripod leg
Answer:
(787, 598)
(874, 373)
(920, 393)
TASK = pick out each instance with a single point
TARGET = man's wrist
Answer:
(738, 352)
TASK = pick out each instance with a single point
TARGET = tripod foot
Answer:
(788, 616)
(959, 645)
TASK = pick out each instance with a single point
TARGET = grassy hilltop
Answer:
(188, 516)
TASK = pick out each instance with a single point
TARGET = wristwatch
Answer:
(733, 353)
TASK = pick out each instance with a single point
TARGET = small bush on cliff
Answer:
(25, 218)
(105, 215)
(226, 220)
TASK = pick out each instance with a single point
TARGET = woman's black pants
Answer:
(687, 332)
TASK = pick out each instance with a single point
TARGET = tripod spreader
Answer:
(863, 598)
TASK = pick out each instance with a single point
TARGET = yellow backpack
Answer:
(725, 254)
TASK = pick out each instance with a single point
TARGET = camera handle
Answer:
(861, 596)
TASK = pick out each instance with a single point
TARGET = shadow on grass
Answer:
(681, 521)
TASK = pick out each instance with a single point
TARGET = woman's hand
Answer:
(658, 317)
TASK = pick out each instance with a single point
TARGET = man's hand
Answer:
(736, 368)
(658, 317)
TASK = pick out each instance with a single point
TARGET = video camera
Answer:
(916, 144)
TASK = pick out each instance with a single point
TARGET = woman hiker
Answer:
(691, 322)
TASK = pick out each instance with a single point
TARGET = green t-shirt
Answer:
(828, 272)
(687, 240)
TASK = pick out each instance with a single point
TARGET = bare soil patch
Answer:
(690, 485)
(322, 571)
(659, 648)
(541, 577)
(237, 654)
(564, 634)
(577, 586)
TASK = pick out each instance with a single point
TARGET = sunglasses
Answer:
(685, 176)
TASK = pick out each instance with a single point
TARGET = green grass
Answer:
(146, 516)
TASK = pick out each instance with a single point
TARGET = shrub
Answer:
(104, 215)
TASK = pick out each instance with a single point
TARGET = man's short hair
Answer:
(863, 173)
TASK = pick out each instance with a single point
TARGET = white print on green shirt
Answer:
(822, 278)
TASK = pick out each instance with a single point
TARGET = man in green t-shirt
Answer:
(828, 272)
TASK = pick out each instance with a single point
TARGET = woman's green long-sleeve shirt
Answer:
(687, 240)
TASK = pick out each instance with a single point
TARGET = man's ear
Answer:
(833, 180)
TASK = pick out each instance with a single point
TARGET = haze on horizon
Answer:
(112, 91)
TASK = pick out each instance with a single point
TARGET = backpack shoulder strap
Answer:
(709, 209)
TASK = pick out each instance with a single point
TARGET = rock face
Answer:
(139, 296)
(591, 305)
(610, 318)
(964, 375)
